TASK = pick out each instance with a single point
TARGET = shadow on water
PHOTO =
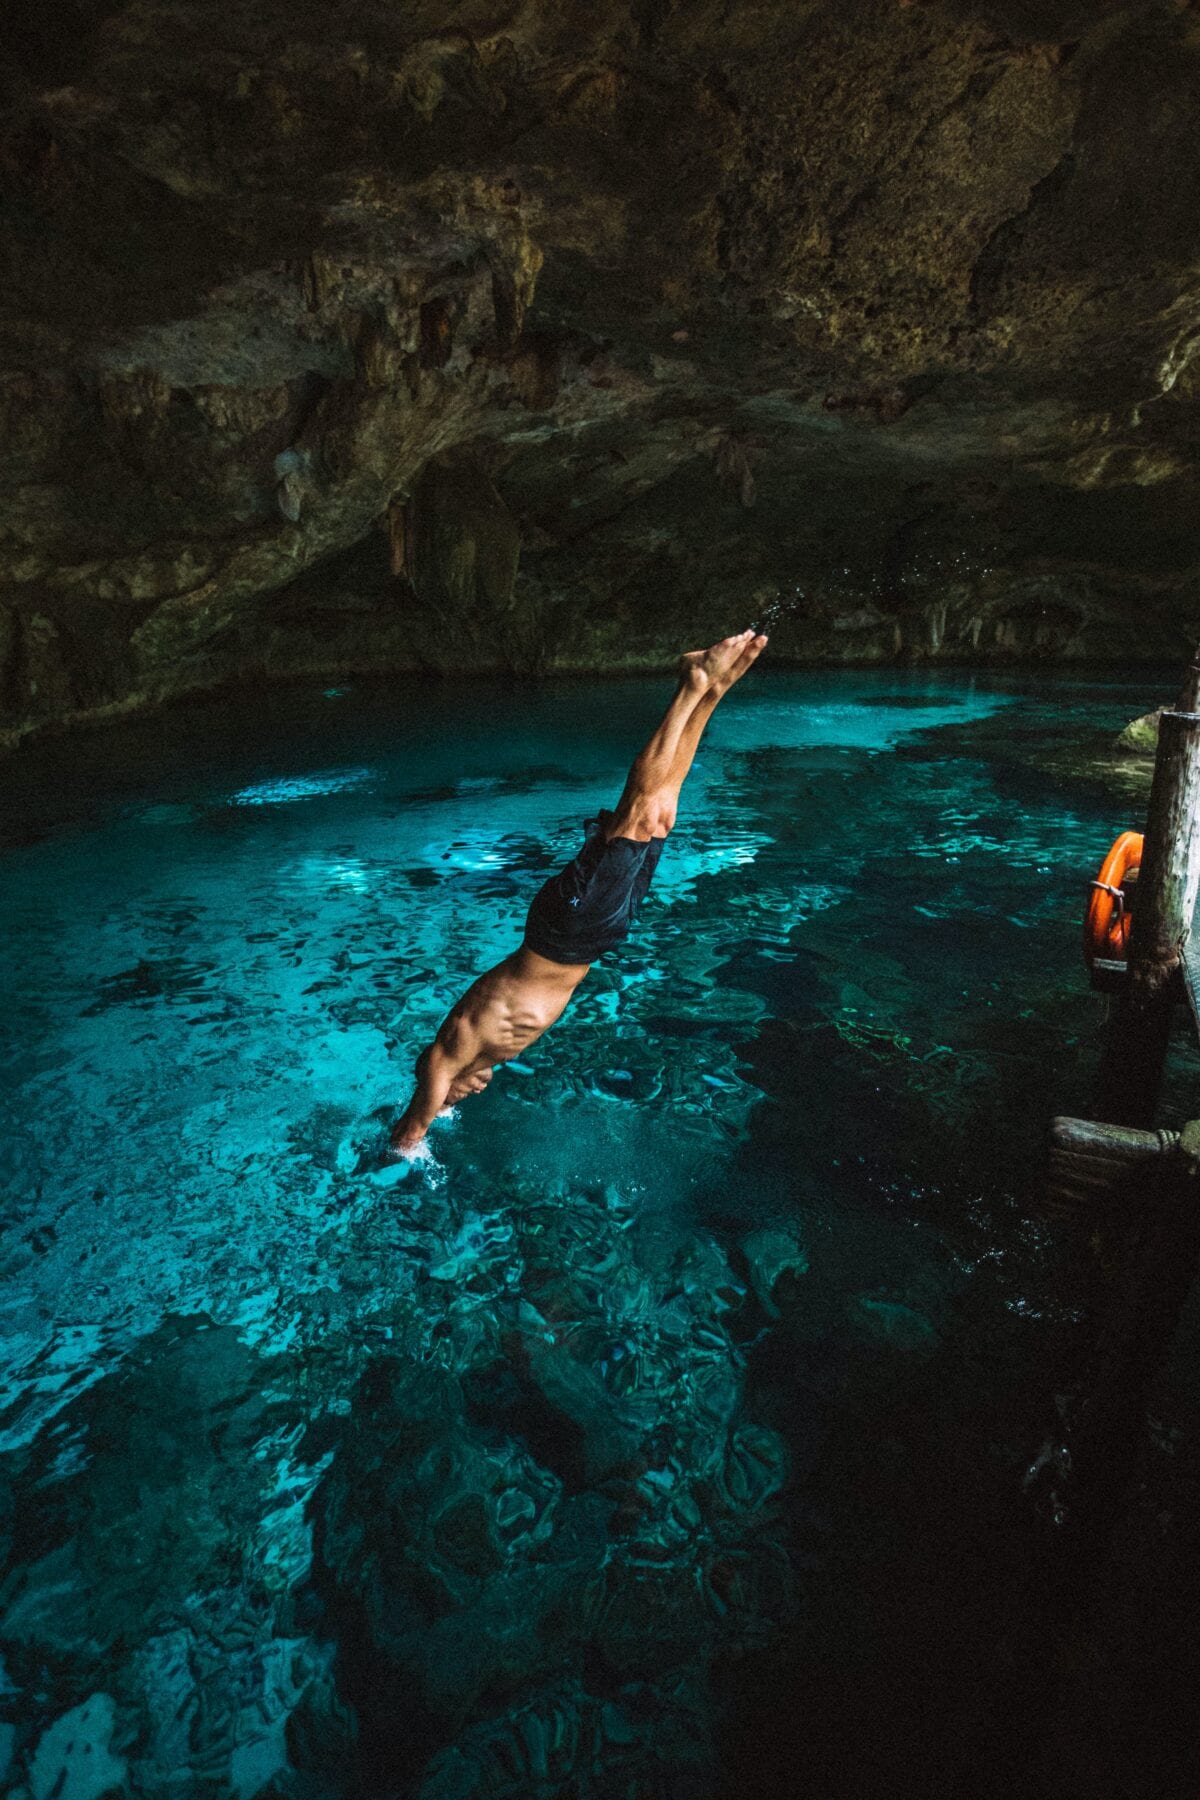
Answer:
(912, 1405)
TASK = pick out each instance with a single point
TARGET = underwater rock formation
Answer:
(161, 1566)
(536, 337)
(549, 1516)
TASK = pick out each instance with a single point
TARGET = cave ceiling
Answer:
(545, 335)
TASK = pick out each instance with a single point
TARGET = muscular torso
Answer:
(498, 1017)
(506, 1009)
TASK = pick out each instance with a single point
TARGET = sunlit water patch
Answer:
(286, 792)
(488, 1474)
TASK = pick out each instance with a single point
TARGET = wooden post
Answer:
(1139, 1023)
(1079, 1482)
(1091, 1167)
(1138, 1330)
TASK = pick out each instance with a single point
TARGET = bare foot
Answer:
(749, 656)
(700, 669)
(718, 668)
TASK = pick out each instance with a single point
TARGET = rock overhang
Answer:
(892, 315)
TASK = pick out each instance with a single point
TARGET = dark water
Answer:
(664, 1434)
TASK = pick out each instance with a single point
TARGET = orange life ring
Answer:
(1106, 923)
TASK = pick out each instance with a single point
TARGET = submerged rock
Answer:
(638, 1740)
(772, 1255)
(577, 1490)
(901, 1328)
(74, 1759)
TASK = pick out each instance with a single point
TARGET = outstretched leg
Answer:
(648, 804)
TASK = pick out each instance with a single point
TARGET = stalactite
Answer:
(437, 338)
(399, 536)
(732, 465)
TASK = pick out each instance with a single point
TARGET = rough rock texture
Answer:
(1140, 736)
(527, 335)
(537, 1544)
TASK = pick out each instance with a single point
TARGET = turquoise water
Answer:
(701, 1361)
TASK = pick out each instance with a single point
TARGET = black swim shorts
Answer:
(589, 906)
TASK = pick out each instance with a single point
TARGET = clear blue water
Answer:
(704, 1358)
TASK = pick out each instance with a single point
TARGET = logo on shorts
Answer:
(574, 900)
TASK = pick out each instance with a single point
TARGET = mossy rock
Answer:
(1140, 738)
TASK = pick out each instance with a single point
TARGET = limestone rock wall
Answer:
(538, 336)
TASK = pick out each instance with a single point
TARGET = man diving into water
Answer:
(581, 912)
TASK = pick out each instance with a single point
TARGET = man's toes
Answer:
(749, 657)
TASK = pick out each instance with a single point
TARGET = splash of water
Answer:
(419, 1164)
(921, 570)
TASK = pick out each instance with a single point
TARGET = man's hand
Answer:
(462, 1085)
(435, 1077)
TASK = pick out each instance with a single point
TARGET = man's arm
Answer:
(436, 1070)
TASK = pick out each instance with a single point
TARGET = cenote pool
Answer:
(667, 1430)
